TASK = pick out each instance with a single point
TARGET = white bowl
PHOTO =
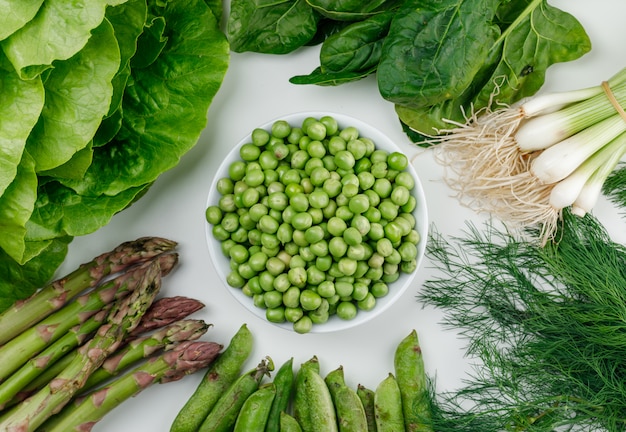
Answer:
(396, 289)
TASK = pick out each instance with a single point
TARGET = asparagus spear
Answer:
(123, 317)
(19, 349)
(23, 314)
(163, 311)
(35, 366)
(186, 358)
(166, 339)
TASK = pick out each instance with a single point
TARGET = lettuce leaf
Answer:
(59, 30)
(131, 117)
(78, 95)
(20, 106)
(16, 13)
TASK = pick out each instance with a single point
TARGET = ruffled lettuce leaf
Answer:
(78, 95)
(15, 14)
(165, 103)
(20, 107)
(58, 31)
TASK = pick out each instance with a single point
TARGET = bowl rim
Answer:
(396, 288)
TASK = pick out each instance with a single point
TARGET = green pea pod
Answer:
(223, 416)
(348, 407)
(350, 412)
(388, 406)
(256, 409)
(335, 380)
(284, 382)
(300, 405)
(411, 378)
(367, 399)
(220, 375)
(288, 423)
(319, 415)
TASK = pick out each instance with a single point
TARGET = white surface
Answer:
(396, 289)
(255, 90)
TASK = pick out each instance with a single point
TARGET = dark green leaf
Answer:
(330, 78)
(350, 10)
(274, 27)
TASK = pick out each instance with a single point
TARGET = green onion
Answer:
(525, 163)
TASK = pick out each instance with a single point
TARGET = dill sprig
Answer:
(546, 327)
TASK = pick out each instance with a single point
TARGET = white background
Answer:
(255, 90)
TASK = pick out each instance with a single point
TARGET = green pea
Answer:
(249, 152)
(317, 215)
(336, 226)
(235, 280)
(379, 289)
(254, 237)
(318, 199)
(236, 170)
(374, 274)
(326, 289)
(319, 248)
(344, 289)
(291, 176)
(408, 266)
(230, 222)
(272, 299)
(367, 303)
(373, 197)
(281, 282)
(213, 214)
(352, 236)
(323, 263)
(344, 160)
(397, 161)
(332, 187)
(302, 221)
(400, 195)
(331, 125)
(347, 266)
(293, 314)
(299, 239)
(306, 254)
(254, 177)
(316, 149)
(295, 135)
(303, 325)
(225, 186)
(281, 129)
(275, 314)
(274, 266)
(329, 163)
(299, 202)
(360, 291)
(299, 159)
(337, 246)
(393, 231)
(268, 224)
(350, 190)
(361, 223)
(379, 170)
(310, 300)
(388, 210)
(258, 300)
(315, 276)
(336, 144)
(292, 189)
(346, 310)
(297, 276)
(314, 234)
(349, 133)
(319, 175)
(291, 297)
(357, 148)
(238, 253)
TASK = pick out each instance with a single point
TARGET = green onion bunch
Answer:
(526, 163)
(316, 221)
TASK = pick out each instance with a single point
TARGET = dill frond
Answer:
(546, 326)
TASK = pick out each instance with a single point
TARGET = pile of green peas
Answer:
(315, 221)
